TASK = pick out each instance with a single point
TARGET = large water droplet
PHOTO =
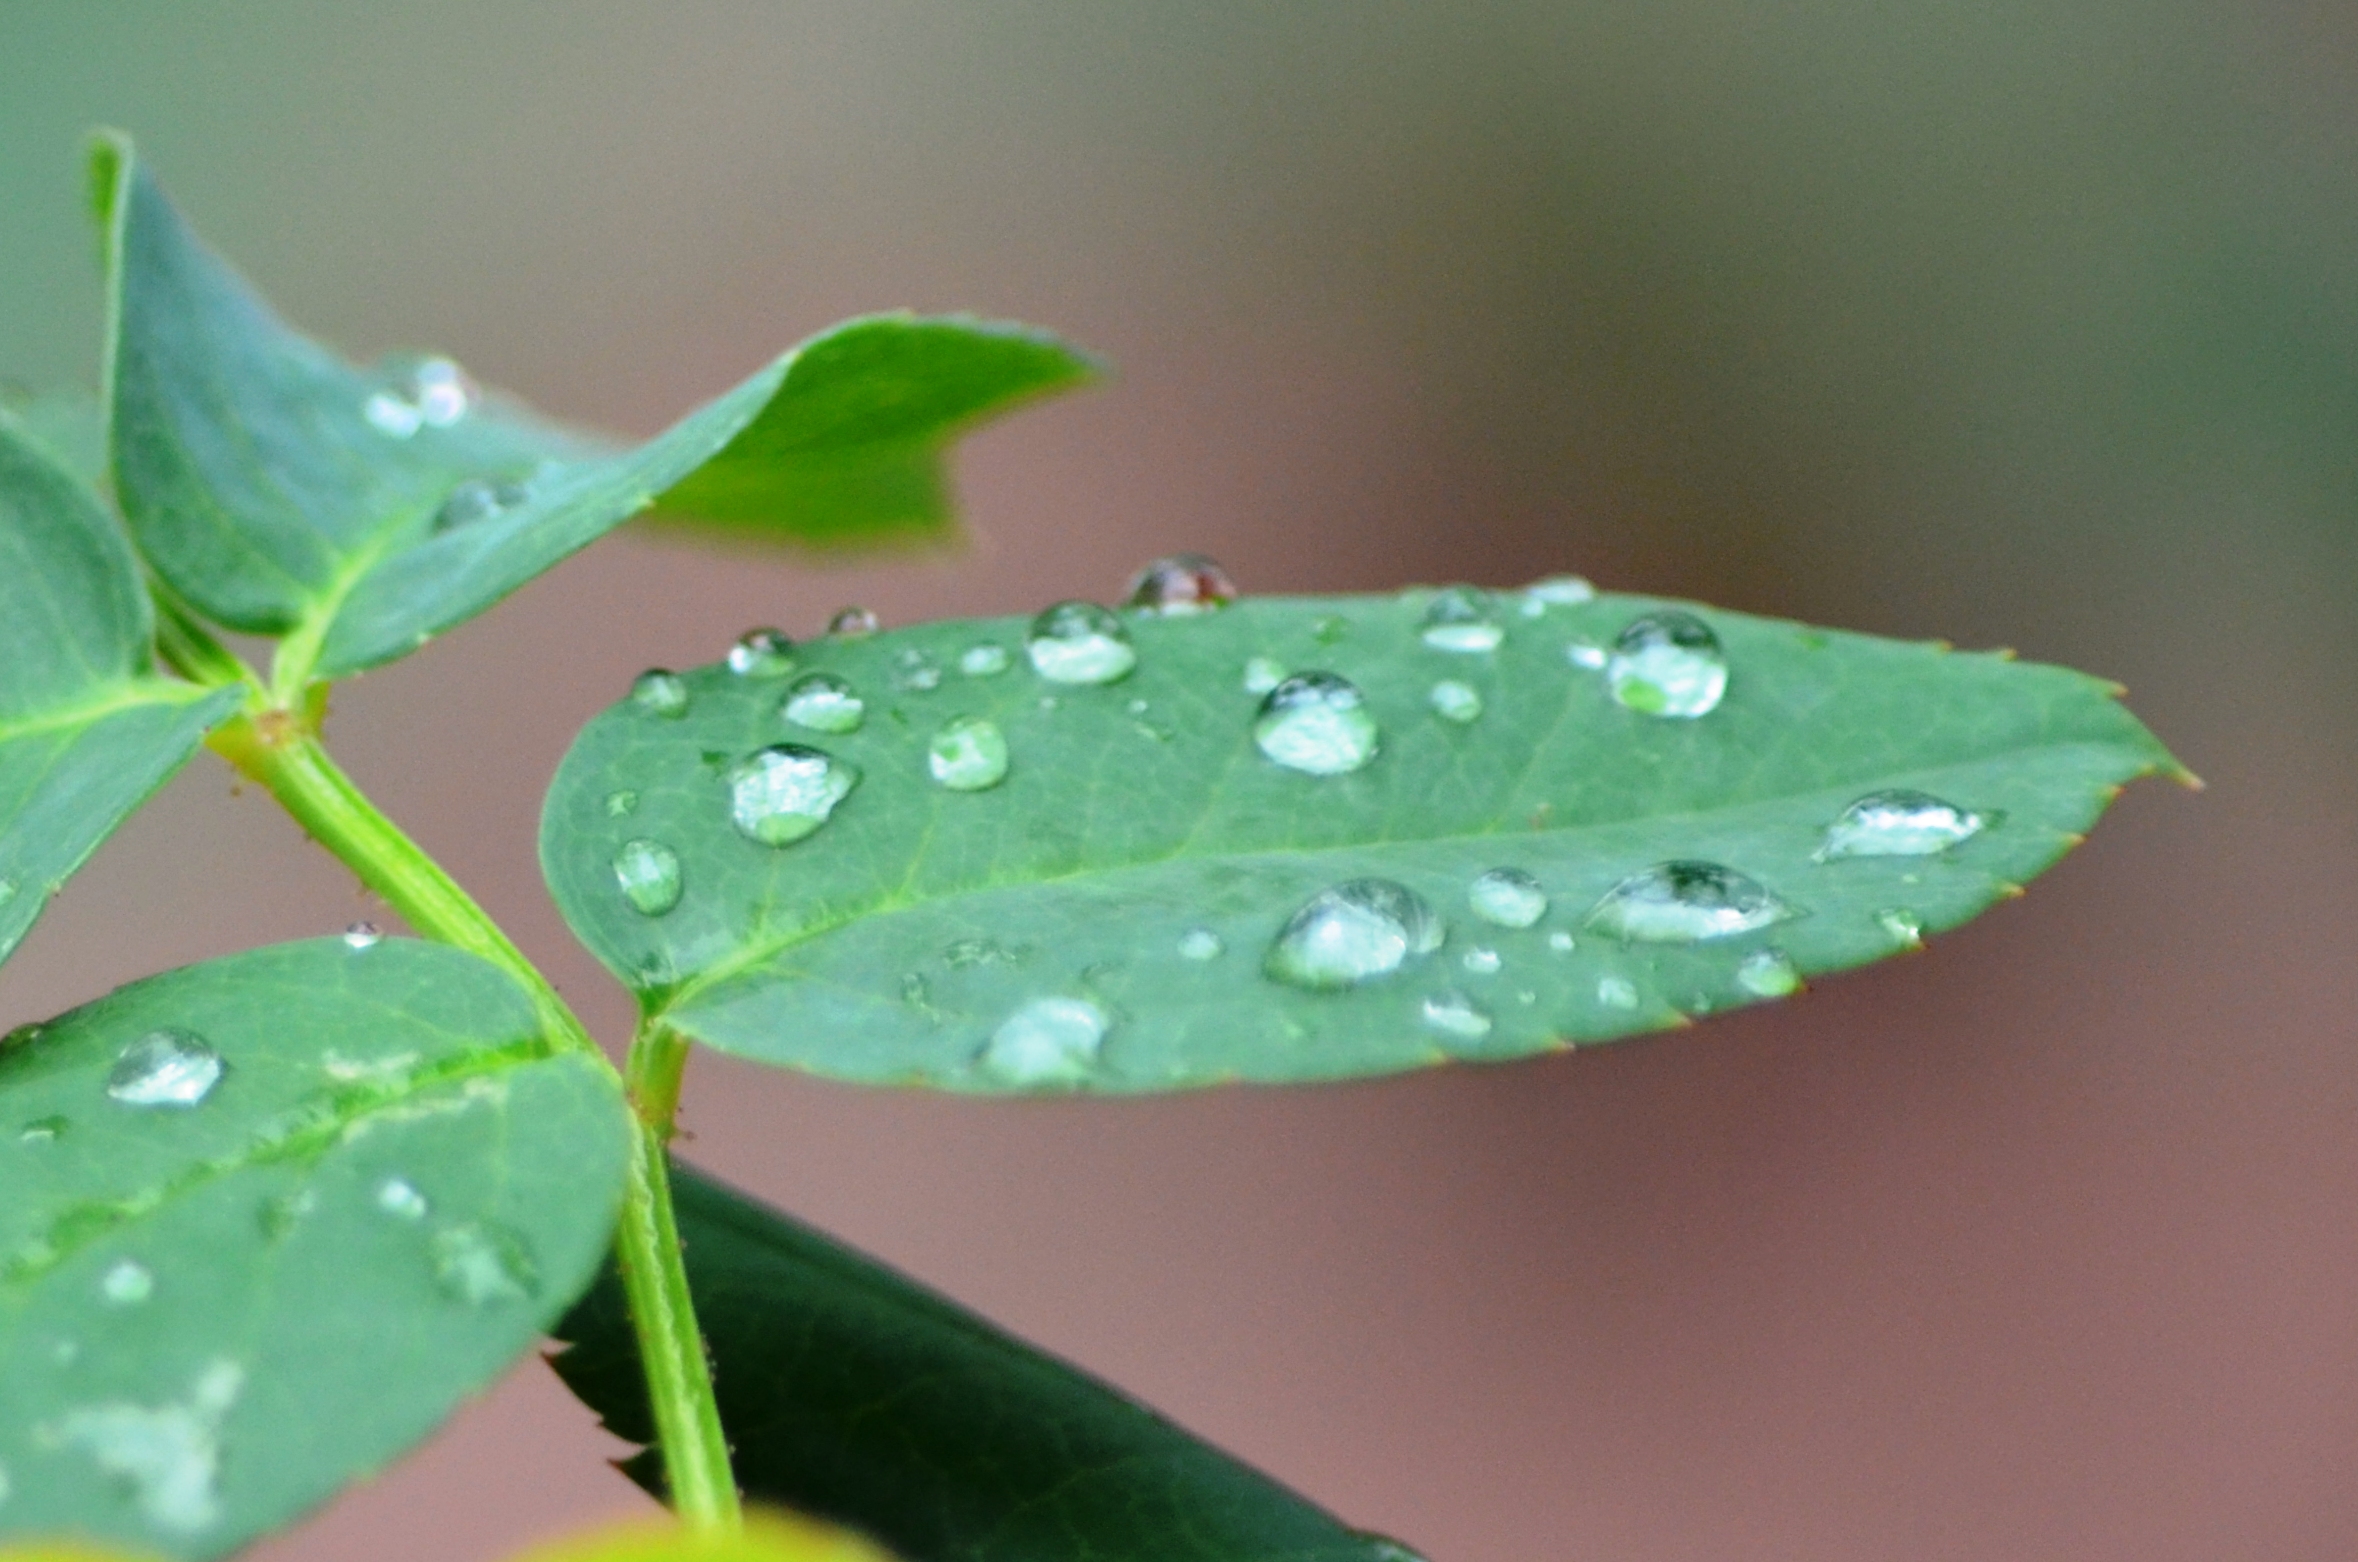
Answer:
(1263, 673)
(1668, 664)
(363, 935)
(481, 1262)
(1455, 701)
(1457, 1016)
(165, 1068)
(1047, 1041)
(914, 671)
(476, 500)
(1079, 642)
(1316, 723)
(126, 1283)
(783, 793)
(1682, 902)
(1768, 973)
(169, 1455)
(1507, 896)
(761, 653)
(1461, 619)
(1180, 584)
(1353, 933)
(1899, 823)
(660, 693)
(853, 623)
(983, 661)
(399, 1197)
(968, 755)
(824, 703)
(1200, 943)
(649, 873)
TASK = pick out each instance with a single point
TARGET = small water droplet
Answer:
(986, 660)
(168, 1455)
(165, 1068)
(1200, 943)
(1507, 896)
(1316, 723)
(127, 1283)
(966, 953)
(1668, 664)
(1902, 924)
(660, 692)
(784, 792)
(477, 500)
(399, 1197)
(1455, 701)
(1047, 1041)
(1768, 973)
(914, 671)
(968, 755)
(1899, 823)
(620, 804)
(1586, 654)
(391, 415)
(761, 653)
(1353, 933)
(1560, 591)
(1180, 584)
(442, 392)
(481, 1262)
(824, 703)
(362, 935)
(1461, 619)
(42, 1130)
(1263, 673)
(1682, 902)
(853, 623)
(1616, 992)
(1457, 1016)
(1482, 962)
(1562, 942)
(649, 873)
(1079, 642)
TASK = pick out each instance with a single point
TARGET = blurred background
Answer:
(2014, 323)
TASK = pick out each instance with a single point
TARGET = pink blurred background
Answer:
(2018, 325)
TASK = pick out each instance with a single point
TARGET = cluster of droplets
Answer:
(428, 393)
(479, 499)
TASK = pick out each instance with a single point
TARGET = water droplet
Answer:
(1079, 642)
(169, 1455)
(761, 653)
(854, 623)
(1681, 902)
(1181, 584)
(1353, 933)
(392, 415)
(42, 1130)
(1507, 896)
(1562, 942)
(983, 661)
(968, 755)
(1586, 654)
(1668, 664)
(1460, 618)
(1200, 943)
(1560, 591)
(399, 1197)
(1316, 723)
(967, 953)
(1482, 962)
(619, 804)
(1263, 673)
(1454, 701)
(480, 1263)
(476, 500)
(362, 935)
(1383, 1548)
(1902, 924)
(915, 672)
(127, 1283)
(1047, 1041)
(1768, 973)
(171, 1068)
(1455, 1015)
(1616, 992)
(649, 873)
(1899, 823)
(783, 793)
(824, 703)
(660, 693)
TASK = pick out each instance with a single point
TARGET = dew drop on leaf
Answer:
(1481, 961)
(42, 1130)
(1616, 992)
(481, 1262)
(1461, 619)
(854, 623)
(1586, 654)
(1455, 701)
(1508, 897)
(660, 692)
(1899, 823)
(1263, 673)
(1560, 591)
(1047, 1041)
(761, 653)
(987, 660)
(1181, 584)
(1457, 1016)
(649, 873)
(1200, 943)
(1079, 642)
(362, 935)
(399, 1197)
(476, 500)
(968, 755)
(784, 792)
(823, 702)
(1904, 926)
(165, 1068)
(1316, 723)
(1684, 902)
(620, 804)
(126, 1283)
(441, 391)
(1768, 973)
(1668, 664)
(1353, 933)
(1562, 942)
(915, 672)
(1383, 1548)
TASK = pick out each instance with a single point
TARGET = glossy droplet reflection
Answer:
(1904, 926)
(1456, 1016)
(761, 653)
(126, 1283)
(1617, 992)
(659, 692)
(1899, 823)
(1080, 642)
(1316, 723)
(1353, 933)
(1508, 897)
(983, 661)
(1047, 1041)
(1668, 664)
(650, 876)
(1684, 903)
(1560, 591)
(1768, 973)
(823, 702)
(399, 1198)
(1181, 584)
(1263, 673)
(1461, 619)
(914, 671)
(784, 792)
(968, 755)
(1481, 961)
(853, 623)
(477, 500)
(1455, 701)
(42, 1130)
(165, 1068)
(428, 393)
(481, 1263)
(362, 935)
(1201, 943)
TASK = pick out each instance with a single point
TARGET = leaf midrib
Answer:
(134, 694)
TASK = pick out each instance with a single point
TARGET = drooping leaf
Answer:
(1104, 917)
(766, 1537)
(361, 511)
(268, 1220)
(850, 1392)
(87, 728)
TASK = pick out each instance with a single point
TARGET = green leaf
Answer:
(1138, 823)
(360, 511)
(765, 1538)
(215, 1312)
(850, 1392)
(87, 729)
(68, 424)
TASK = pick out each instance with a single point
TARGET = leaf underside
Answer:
(278, 489)
(850, 1392)
(888, 946)
(214, 1315)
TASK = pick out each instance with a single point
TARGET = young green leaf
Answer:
(853, 1393)
(360, 511)
(87, 729)
(1472, 828)
(268, 1220)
